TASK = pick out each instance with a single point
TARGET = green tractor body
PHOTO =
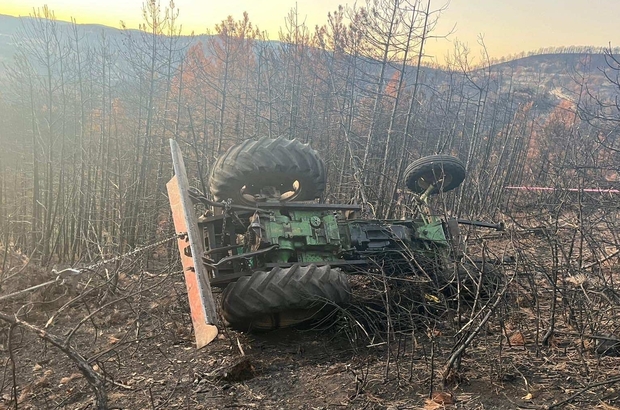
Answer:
(281, 256)
(278, 236)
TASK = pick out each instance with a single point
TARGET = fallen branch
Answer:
(459, 351)
(585, 389)
(598, 262)
(64, 275)
(35, 287)
(93, 378)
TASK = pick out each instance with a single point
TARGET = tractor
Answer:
(280, 254)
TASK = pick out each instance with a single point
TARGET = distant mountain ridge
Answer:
(555, 72)
(11, 26)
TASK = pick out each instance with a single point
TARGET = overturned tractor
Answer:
(280, 255)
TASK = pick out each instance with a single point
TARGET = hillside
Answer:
(13, 30)
(553, 73)
(561, 74)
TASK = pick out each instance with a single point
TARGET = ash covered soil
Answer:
(140, 339)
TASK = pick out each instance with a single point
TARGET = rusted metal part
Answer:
(191, 249)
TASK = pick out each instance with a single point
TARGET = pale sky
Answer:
(508, 26)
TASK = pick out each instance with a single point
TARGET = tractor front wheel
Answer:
(444, 171)
(284, 297)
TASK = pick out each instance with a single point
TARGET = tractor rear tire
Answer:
(284, 297)
(421, 173)
(293, 169)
